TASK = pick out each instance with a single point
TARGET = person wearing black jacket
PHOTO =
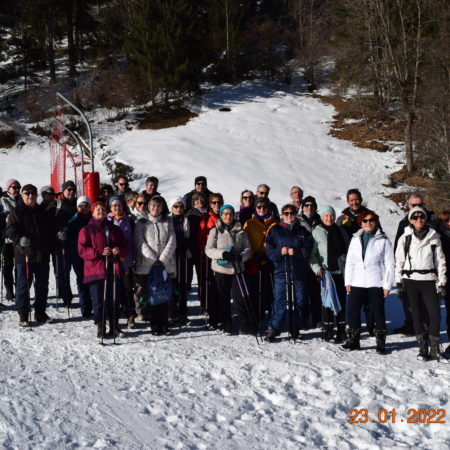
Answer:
(444, 230)
(415, 200)
(201, 186)
(33, 236)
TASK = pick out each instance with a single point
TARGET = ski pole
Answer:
(206, 290)
(293, 300)
(57, 278)
(114, 298)
(63, 254)
(259, 297)
(105, 293)
(287, 287)
(27, 275)
(2, 266)
(178, 257)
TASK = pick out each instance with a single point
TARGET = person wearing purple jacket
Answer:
(119, 217)
(100, 243)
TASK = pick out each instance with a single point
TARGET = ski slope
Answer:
(59, 389)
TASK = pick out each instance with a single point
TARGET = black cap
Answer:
(29, 188)
(309, 199)
(68, 184)
(200, 179)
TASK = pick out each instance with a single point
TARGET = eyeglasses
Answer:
(263, 192)
(15, 187)
(83, 205)
(371, 220)
(141, 203)
(71, 189)
(417, 204)
(227, 214)
(49, 193)
(288, 213)
(178, 206)
(261, 207)
(29, 194)
(216, 202)
(418, 217)
(308, 205)
(123, 184)
(247, 197)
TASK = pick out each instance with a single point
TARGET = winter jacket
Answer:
(34, 224)
(220, 239)
(76, 223)
(207, 223)
(445, 240)
(319, 255)
(194, 217)
(348, 221)
(420, 257)
(61, 211)
(377, 268)
(245, 213)
(8, 203)
(182, 232)
(127, 226)
(91, 242)
(299, 239)
(155, 241)
(309, 222)
(404, 223)
(187, 199)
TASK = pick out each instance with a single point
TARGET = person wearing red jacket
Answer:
(100, 243)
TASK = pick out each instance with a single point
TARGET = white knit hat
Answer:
(416, 209)
(83, 199)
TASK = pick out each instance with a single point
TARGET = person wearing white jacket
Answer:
(420, 270)
(369, 275)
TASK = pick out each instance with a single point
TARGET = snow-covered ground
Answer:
(196, 389)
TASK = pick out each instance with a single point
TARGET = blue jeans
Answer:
(39, 272)
(280, 306)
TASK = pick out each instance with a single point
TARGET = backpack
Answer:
(159, 287)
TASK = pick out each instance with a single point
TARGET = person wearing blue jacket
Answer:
(288, 246)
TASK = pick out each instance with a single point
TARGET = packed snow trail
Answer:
(197, 389)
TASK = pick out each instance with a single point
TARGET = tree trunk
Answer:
(70, 39)
(409, 155)
(50, 49)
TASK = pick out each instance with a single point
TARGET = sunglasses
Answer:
(15, 187)
(417, 204)
(200, 182)
(261, 207)
(70, 189)
(263, 193)
(83, 205)
(141, 203)
(371, 220)
(247, 197)
(288, 213)
(418, 217)
(308, 205)
(29, 194)
(123, 184)
(49, 193)
(216, 202)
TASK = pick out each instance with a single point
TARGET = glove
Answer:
(441, 291)
(227, 256)
(400, 289)
(24, 242)
(62, 235)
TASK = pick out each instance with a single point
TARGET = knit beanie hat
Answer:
(175, 200)
(309, 199)
(45, 189)
(224, 207)
(416, 209)
(10, 182)
(83, 199)
(326, 209)
(200, 179)
(67, 184)
(113, 198)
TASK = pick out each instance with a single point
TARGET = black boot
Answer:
(381, 341)
(435, 350)
(271, 333)
(327, 331)
(352, 342)
(114, 329)
(422, 339)
(101, 330)
(341, 334)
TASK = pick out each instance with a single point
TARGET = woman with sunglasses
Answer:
(420, 271)
(228, 247)
(288, 246)
(369, 275)
(155, 243)
(246, 208)
(119, 217)
(330, 248)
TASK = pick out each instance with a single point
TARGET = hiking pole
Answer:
(63, 255)
(287, 287)
(2, 267)
(114, 299)
(105, 293)
(178, 256)
(27, 275)
(206, 291)
(57, 279)
(294, 329)
(259, 297)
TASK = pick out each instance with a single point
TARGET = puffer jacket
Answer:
(377, 268)
(319, 255)
(220, 240)
(421, 257)
(155, 241)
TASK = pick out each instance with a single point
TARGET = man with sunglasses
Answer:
(9, 201)
(122, 185)
(200, 186)
(48, 196)
(414, 201)
(61, 211)
(33, 236)
(263, 191)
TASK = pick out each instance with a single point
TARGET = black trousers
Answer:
(423, 294)
(313, 301)
(178, 304)
(327, 313)
(357, 298)
(8, 267)
(261, 290)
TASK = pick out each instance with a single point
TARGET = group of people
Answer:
(134, 254)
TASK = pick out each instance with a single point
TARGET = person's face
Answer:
(247, 199)
(29, 198)
(122, 185)
(296, 195)
(353, 201)
(99, 212)
(328, 219)
(106, 194)
(155, 209)
(446, 223)
(418, 220)
(83, 208)
(151, 188)
(200, 186)
(199, 203)
(261, 209)
(369, 224)
(70, 193)
(48, 196)
(215, 205)
(288, 215)
(415, 201)
(14, 189)
(227, 216)
(262, 192)
(141, 204)
(178, 209)
(117, 208)
(309, 208)
(131, 203)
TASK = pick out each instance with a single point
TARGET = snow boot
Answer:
(23, 321)
(435, 350)
(131, 322)
(114, 330)
(42, 316)
(381, 341)
(423, 347)
(341, 334)
(228, 327)
(327, 331)
(352, 342)
(271, 334)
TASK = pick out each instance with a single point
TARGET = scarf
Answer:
(335, 246)
(420, 234)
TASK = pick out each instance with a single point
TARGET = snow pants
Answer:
(357, 298)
